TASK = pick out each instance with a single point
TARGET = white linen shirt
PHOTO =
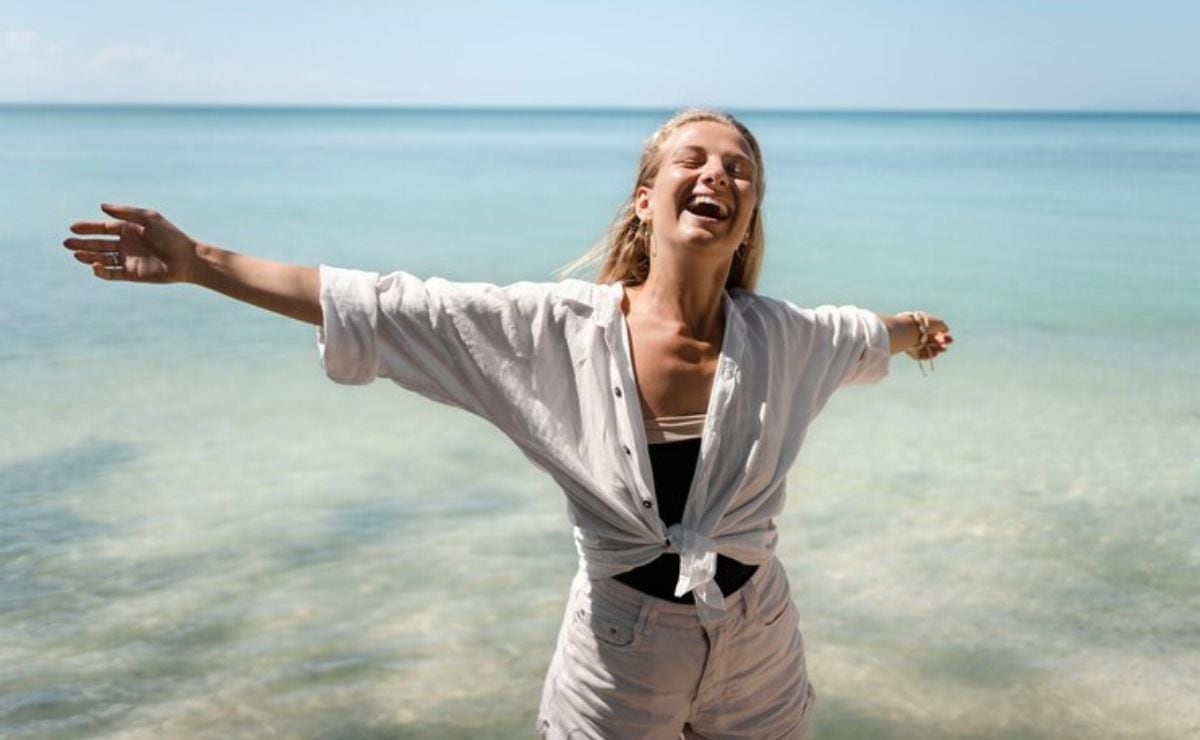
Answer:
(549, 365)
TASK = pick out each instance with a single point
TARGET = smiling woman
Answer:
(626, 250)
(667, 400)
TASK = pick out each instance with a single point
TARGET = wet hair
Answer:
(625, 248)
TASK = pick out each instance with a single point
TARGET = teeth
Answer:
(697, 199)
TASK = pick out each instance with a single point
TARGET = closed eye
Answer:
(740, 168)
(690, 156)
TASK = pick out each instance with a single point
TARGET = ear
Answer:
(641, 202)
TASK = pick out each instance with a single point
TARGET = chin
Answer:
(699, 236)
(707, 234)
(708, 247)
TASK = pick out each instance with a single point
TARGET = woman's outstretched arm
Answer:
(148, 248)
(903, 334)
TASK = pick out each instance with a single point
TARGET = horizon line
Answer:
(496, 108)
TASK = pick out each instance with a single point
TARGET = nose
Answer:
(714, 173)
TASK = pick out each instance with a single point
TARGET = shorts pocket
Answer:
(611, 624)
(776, 596)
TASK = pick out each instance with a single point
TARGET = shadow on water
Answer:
(61, 713)
(346, 529)
(404, 506)
(51, 600)
(36, 519)
(114, 669)
(977, 666)
(61, 469)
(32, 513)
(1127, 574)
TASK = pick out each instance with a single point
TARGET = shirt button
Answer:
(617, 391)
(627, 452)
(647, 503)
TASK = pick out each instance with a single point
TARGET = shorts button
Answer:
(617, 391)
(647, 503)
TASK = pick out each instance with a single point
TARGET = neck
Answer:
(688, 294)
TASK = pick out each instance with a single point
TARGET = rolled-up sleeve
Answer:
(346, 338)
(832, 346)
(462, 344)
(866, 343)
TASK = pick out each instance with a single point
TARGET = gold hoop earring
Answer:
(649, 239)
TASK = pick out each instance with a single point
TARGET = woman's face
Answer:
(704, 193)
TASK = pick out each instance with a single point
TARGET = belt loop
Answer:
(648, 613)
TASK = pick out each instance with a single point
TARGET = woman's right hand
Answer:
(147, 249)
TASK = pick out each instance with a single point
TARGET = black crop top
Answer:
(674, 465)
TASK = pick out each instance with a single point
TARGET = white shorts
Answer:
(628, 665)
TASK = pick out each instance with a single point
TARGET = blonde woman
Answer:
(667, 400)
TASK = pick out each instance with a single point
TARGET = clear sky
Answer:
(957, 54)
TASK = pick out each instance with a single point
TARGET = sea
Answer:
(201, 536)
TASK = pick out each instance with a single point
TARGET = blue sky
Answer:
(904, 54)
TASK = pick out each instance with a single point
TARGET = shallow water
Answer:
(200, 536)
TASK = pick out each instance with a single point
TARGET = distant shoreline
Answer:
(598, 110)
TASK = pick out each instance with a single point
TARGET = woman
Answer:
(667, 400)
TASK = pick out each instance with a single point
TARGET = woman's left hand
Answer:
(936, 342)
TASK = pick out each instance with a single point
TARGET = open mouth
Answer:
(707, 208)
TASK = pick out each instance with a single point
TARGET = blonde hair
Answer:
(625, 247)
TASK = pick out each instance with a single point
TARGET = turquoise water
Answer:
(200, 536)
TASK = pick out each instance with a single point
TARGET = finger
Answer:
(141, 216)
(107, 259)
(110, 228)
(92, 245)
(108, 272)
